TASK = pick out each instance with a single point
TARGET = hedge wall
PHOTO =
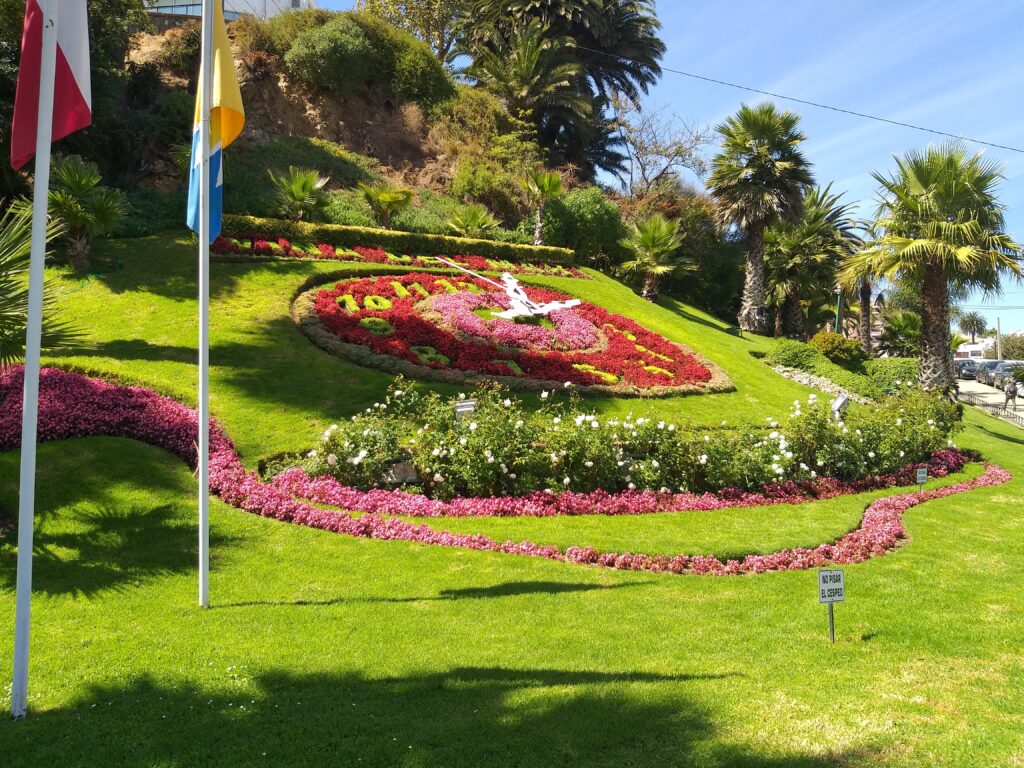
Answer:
(398, 242)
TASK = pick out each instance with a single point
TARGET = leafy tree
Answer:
(436, 22)
(540, 187)
(803, 255)
(973, 323)
(901, 334)
(1013, 348)
(758, 179)
(531, 72)
(300, 195)
(472, 221)
(15, 249)
(942, 225)
(653, 247)
(386, 201)
(86, 207)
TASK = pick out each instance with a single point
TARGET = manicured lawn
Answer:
(323, 649)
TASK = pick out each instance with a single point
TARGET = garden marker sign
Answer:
(831, 590)
(922, 476)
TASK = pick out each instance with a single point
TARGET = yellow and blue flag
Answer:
(226, 120)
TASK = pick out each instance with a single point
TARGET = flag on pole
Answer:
(226, 120)
(72, 99)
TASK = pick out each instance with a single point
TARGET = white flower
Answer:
(703, 458)
(804, 467)
(399, 392)
(871, 454)
(462, 441)
(511, 475)
(436, 452)
(566, 481)
(813, 473)
(654, 463)
(332, 460)
(568, 385)
(773, 435)
(707, 438)
(462, 395)
(556, 420)
(311, 454)
(594, 424)
(631, 487)
(588, 464)
(473, 426)
(899, 422)
(902, 454)
(554, 458)
(544, 395)
(438, 478)
(671, 427)
(507, 403)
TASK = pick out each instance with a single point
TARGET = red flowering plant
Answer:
(447, 328)
(280, 247)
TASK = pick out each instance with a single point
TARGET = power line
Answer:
(815, 104)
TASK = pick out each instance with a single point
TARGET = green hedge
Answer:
(795, 354)
(890, 373)
(389, 240)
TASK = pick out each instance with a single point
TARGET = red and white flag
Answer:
(72, 99)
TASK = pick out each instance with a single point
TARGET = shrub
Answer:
(483, 181)
(504, 448)
(337, 57)
(795, 354)
(300, 194)
(386, 201)
(181, 49)
(285, 28)
(84, 205)
(252, 35)
(396, 242)
(892, 373)
(472, 221)
(839, 349)
(348, 208)
(586, 221)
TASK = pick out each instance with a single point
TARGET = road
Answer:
(992, 400)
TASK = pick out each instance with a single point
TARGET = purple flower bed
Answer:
(72, 405)
(458, 310)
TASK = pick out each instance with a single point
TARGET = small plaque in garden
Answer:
(403, 472)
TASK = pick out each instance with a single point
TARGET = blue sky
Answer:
(942, 64)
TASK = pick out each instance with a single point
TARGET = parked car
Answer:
(967, 369)
(1003, 371)
(985, 370)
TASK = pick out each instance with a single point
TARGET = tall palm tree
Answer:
(531, 72)
(901, 334)
(942, 225)
(758, 178)
(653, 245)
(973, 323)
(802, 256)
(15, 247)
(540, 187)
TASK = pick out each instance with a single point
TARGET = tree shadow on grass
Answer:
(504, 589)
(459, 718)
(101, 522)
(1001, 436)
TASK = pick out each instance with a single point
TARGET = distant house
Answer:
(170, 13)
(973, 350)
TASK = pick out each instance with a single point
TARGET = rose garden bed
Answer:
(72, 405)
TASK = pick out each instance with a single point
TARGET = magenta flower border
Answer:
(73, 405)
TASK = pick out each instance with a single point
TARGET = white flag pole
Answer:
(30, 406)
(206, 95)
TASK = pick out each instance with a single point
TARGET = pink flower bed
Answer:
(458, 311)
(72, 405)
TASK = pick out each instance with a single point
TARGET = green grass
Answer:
(354, 652)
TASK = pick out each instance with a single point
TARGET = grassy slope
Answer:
(356, 652)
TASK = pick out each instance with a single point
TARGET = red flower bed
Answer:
(267, 245)
(72, 405)
(390, 316)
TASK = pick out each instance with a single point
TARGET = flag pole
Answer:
(206, 95)
(33, 336)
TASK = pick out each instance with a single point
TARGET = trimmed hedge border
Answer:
(304, 315)
(390, 240)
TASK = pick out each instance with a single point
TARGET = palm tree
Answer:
(84, 205)
(955, 341)
(531, 72)
(758, 179)
(901, 334)
(386, 201)
(942, 226)
(300, 195)
(540, 187)
(472, 221)
(973, 323)
(653, 245)
(802, 255)
(15, 247)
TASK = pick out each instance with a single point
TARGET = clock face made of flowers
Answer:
(448, 329)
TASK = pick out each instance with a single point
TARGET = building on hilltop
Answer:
(167, 13)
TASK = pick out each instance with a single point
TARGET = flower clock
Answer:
(448, 328)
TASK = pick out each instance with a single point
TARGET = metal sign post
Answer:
(922, 477)
(831, 590)
(464, 409)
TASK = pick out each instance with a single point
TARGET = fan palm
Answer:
(942, 226)
(386, 201)
(540, 187)
(531, 72)
(653, 245)
(15, 249)
(901, 334)
(472, 221)
(973, 323)
(301, 195)
(86, 207)
(802, 256)
(758, 178)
